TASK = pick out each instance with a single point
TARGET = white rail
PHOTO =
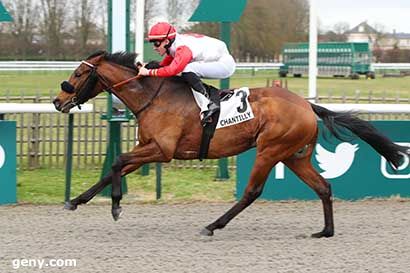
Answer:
(368, 108)
(33, 66)
(7, 108)
(391, 66)
(86, 108)
(257, 66)
(69, 66)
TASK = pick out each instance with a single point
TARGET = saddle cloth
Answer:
(235, 107)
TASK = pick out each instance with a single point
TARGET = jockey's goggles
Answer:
(156, 43)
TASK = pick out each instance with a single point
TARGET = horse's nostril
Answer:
(56, 103)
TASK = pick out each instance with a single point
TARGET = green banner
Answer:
(4, 15)
(353, 169)
(218, 11)
(8, 162)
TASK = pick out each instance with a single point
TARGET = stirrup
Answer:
(207, 118)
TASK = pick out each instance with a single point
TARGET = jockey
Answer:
(192, 56)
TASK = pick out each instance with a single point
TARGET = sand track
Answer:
(371, 236)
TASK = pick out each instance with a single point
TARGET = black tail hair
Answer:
(363, 129)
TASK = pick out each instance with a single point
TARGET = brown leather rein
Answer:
(112, 87)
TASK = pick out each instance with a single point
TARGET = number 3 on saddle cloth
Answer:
(235, 108)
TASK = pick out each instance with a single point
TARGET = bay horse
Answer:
(170, 127)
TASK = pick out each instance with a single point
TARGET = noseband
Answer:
(91, 81)
(81, 92)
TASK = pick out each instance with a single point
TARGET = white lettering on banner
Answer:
(402, 172)
(2, 156)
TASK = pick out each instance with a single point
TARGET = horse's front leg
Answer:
(137, 157)
(129, 162)
(89, 194)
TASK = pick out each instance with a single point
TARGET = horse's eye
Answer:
(77, 74)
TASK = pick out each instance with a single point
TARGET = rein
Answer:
(76, 100)
(148, 103)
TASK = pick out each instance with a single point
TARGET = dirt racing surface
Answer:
(371, 236)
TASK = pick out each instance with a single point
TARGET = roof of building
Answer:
(363, 27)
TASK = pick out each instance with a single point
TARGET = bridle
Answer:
(80, 93)
(91, 81)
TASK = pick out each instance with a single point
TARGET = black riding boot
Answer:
(215, 103)
(212, 95)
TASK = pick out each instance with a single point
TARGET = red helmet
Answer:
(161, 31)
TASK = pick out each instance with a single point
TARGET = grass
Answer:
(44, 186)
(31, 82)
(47, 186)
(44, 82)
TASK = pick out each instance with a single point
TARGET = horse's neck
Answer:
(136, 95)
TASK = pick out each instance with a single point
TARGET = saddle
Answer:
(225, 94)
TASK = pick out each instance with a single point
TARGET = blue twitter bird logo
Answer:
(335, 164)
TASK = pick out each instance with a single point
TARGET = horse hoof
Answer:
(69, 206)
(322, 234)
(206, 232)
(116, 213)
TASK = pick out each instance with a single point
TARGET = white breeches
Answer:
(220, 69)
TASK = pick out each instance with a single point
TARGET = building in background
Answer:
(382, 41)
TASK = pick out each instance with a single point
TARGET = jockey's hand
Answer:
(139, 64)
(143, 71)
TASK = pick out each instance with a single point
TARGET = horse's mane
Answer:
(128, 59)
(122, 58)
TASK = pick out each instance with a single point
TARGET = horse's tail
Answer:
(363, 129)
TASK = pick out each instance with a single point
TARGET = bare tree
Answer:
(23, 27)
(337, 34)
(151, 11)
(83, 16)
(341, 28)
(264, 27)
(179, 11)
(174, 11)
(102, 22)
(52, 26)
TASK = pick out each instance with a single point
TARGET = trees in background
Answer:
(83, 25)
(55, 29)
(21, 33)
(52, 26)
(264, 27)
(66, 30)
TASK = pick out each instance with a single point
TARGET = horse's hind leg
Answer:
(303, 168)
(263, 165)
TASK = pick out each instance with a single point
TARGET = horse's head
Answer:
(83, 84)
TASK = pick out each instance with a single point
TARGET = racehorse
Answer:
(284, 128)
